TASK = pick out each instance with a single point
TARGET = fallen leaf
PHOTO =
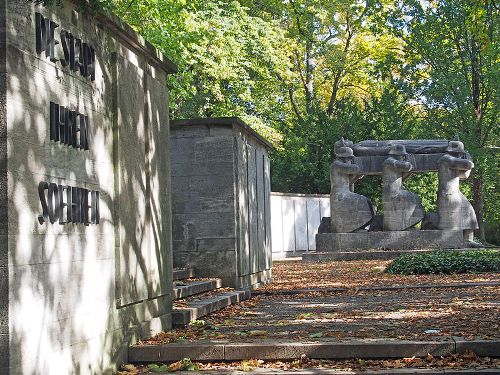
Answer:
(317, 334)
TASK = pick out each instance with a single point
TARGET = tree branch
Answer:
(294, 105)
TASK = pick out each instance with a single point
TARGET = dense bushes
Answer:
(446, 262)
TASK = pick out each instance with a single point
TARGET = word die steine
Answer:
(79, 56)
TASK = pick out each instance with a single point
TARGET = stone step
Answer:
(273, 350)
(318, 256)
(183, 273)
(195, 287)
(198, 308)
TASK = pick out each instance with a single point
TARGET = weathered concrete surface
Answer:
(199, 308)
(156, 353)
(221, 200)
(416, 146)
(76, 295)
(364, 349)
(423, 154)
(275, 350)
(454, 210)
(4, 269)
(394, 240)
(349, 211)
(482, 348)
(373, 165)
(197, 287)
(183, 273)
(402, 209)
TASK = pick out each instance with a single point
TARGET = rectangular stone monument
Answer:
(221, 200)
(85, 242)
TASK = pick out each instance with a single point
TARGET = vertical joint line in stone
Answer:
(117, 174)
(147, 173)
(294, 227)
(257, 221)
(264, 187)
(282, 213)
(4, 246)
(249, 216)
(307, 222)
(236, 192)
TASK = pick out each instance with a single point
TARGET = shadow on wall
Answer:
(63, 289)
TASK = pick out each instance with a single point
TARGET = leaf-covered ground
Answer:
(433, 313)
(294, 274)
(467, 361)
(423, 314)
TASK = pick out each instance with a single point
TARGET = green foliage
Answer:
(446, 262)
(198, 323)
(228, 60)
(183, 365)
(87, 5)
(188, 365)
(427, 186)
(158, 368)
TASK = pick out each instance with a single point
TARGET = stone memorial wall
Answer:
(221, 200)
(85, 247)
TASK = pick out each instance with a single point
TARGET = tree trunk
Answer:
(477, 191)
(477, 181)
(309, 84)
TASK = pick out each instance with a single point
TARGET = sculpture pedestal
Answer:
(382, 245)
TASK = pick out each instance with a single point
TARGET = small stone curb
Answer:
(273, 350)
(183, 273)
(197, 287)
(202, 307)
(375, 288)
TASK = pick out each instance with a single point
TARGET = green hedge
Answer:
(446, 262)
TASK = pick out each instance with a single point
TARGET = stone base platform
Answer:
(394, 240)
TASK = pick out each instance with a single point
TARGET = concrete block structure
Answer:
(85, 234)
(221, 200)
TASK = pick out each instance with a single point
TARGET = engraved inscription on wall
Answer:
(61, 203)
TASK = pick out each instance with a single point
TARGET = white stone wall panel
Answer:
(295, 219)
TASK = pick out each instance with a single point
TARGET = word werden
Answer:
(79, 56)
(68, 204)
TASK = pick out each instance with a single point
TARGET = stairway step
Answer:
(195, 287)
(183, 273)
(198, 308)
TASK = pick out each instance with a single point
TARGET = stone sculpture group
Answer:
(402, 210)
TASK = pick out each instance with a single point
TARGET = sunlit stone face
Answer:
(84, 192)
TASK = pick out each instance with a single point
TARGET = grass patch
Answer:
(446, 262)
